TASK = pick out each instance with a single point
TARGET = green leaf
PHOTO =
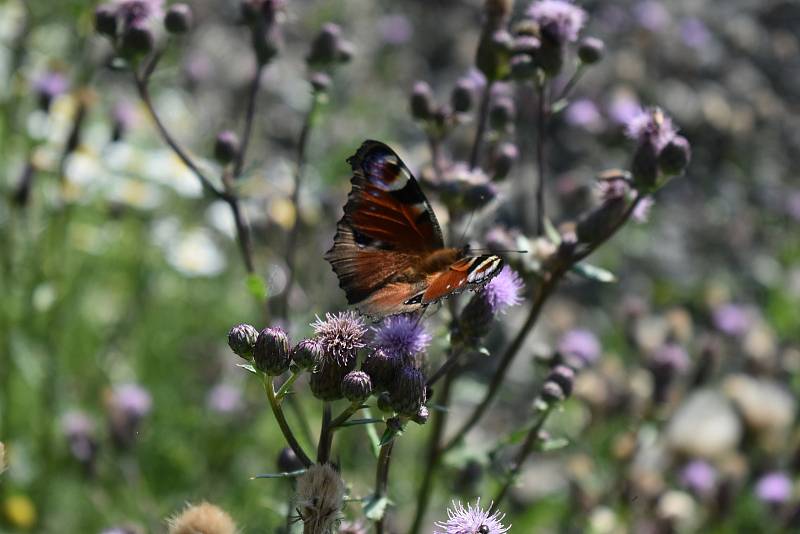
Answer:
(291, 474)
(551, 231)
(388, 436)
(257, 287)
(592, 272)
(553, 444)
(355, 422)
(247, 367)
(372, 434)
(375, 507)
(559, 105)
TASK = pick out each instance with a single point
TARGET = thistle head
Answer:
(402, 336)
(471, 520)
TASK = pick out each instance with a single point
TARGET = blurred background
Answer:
(119, 278)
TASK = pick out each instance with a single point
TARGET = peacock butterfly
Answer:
(388, 252)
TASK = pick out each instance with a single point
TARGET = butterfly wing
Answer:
(468, 273)
(387, 227)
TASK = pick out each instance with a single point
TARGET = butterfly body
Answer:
(388, 252)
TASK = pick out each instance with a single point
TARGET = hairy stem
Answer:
(483, 113)
(283, 424)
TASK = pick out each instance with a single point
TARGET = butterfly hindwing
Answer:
(467, 273)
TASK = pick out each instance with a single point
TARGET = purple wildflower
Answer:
(563, 18)
(694, 33)
(651, 15)
(471, 520)
(139, 10)
(340, 335)
(651, 125)
(132, 400)
(641, 213)
(50, 84)
(79, 430)
(671, 356)
(623, 108)
(504, 290)
(774, 488)
(699, 476)
(395, 29)
(224, 399)
(402, 335)
(579, 345)
(583, 112)
(732, 319)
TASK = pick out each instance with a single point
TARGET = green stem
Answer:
(382, 480)
(283, 424)
(286, 386)
(325, 435)
(346, 414)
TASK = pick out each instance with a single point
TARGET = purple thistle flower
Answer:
(651, 125)
(562, 17)
(132, 400)
(580, 345)
(774, 488)
(504, 290)
(584, 113)
(139, 10)
(671, 356)
(651, 15)
(340, 335)
(50, 84)
(224, 399)
(402, 335)
(623, 108)
(395, 29)
(471, 520)
(699, 476)
(732, 319)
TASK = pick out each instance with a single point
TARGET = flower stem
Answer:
(483, 113)
(541, 127)
(571, 83)
(325, 435)
(248, 120)
(382, 480)
(452, 359)
(346, 414)
(286, 386)
(283, 424)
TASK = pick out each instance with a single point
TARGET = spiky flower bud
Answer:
(356, 386)
(226, 146)
(422, 416)
(493, 54)
(307, 353)
(501, 113)
(590, 50)
(675, 156)
(476, 318)
(503, 158)
(325, 46)
(271, 353)
(596, 223)
(463, 95)
(105, 20)
(381, 366)
(137, 39)
(564, 376)
(178, 19)
(242, 340)
(422, 103)
(385, 402)
(552, 393)
(266, 41)
(408, 391)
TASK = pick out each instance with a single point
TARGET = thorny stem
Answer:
(543, 292)
(541, 125)
(291, 240)
(283, 424)
(325, 435)
(248, 120)
(527, 447)
(242, 229)
(432, 454)
(382, 480)
(483, 113)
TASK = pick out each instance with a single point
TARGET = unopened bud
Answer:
(552, 393)
(675, 156)
(137, 39)
(423, 414)
(590, 50)
(178, 19)
(476, 318)
(307, 353)
(522, 67)
(394, 424)
(563, 376)
(325, 46)
(242, 340)
(381, 367)
(226, 146)
(271, 353)
(501, 113)
(408, 391)
(503, 159)
(345, 52)
(105, 20)
(288, 461)
(422, 104)
(644, 166)
(385, 402)
(326, 380)
(463, 95)
(266, 42)
(493, 53)
(356, 386)
(551, 54)
(595, 224)
(320, 82)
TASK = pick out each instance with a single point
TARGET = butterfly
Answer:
(388, 251)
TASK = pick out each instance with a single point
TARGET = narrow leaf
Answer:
(355, 422)
(247, 367)
(375, 507)
(553, 444)
(593, 272)
(285, 474)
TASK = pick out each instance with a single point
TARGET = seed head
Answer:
(204, 518)
(320, 497)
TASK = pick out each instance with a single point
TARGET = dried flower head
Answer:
(203, 518)
(320, 496)
(402, 336)
(340, 335)
(563, 20)
(504, 290)
(651, 125)
(471, 520)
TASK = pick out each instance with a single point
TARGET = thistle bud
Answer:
(381, 368)
(288, 461)
(271, 353)
(476, 318)
(325, 46)
(226, 146)
(595, 224)
(463, 95)
(356, 386)
(501, 113)
(503, 158)
(345, 52)
(423, 414)
(675, 156)
(320, 82)
(307, 353)
(563, 376)
(105, 20)
(522, 67)
(527, 45)
(422, 104)
(408, 391)
(137, 39)
(178, 19)
(266, 42)
(385, 402)
(326, 380)
(242, 340)
(590, 50)
(551, 53)
(493, 53)
(644, 166)
(552, 393)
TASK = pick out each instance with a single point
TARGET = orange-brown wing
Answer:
(467, 273)
(387, 226)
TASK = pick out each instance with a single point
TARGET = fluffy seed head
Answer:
(203, 518)
(471, 520)
(320, 496)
